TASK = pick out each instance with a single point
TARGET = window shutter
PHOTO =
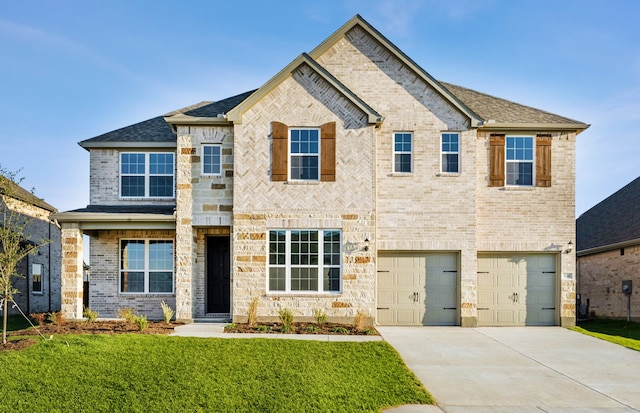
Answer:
(496, 160)
(279, 151)
(543, 160)
(328, 152)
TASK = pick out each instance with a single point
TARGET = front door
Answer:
(218, 275)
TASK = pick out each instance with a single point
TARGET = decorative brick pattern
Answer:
(71, 287)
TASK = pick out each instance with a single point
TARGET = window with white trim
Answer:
(402, 151)
(304, 152)
(450, 150)
(146, 266)
(36, 278)
(519, 158)
(211, 159)
(146, 175)
(304, 261)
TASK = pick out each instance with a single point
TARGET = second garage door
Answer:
(417, 289)
(516, 290)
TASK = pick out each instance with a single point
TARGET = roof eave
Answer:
(604, 248)
(357, 20)
(577, 127)
(107, 221)
(94, 145)
(182, 119)
(235, 114)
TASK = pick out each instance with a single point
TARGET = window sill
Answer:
(148, 199)
(145, 295)
(37, 293)
(401, 174)
(448, 174)
(518, 188)
(302, 183)
(300, 294)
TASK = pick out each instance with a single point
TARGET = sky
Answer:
(72, 70)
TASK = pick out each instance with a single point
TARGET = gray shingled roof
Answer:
(13, 190)
(128, 209)
(612, 221)
(151, 130)
(502, 110)
(222, 106)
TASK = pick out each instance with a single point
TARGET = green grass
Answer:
(139, 373)
(616, 331)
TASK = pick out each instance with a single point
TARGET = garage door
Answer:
(417, 289)
(517, 290)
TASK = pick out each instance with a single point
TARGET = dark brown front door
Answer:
(218, 275)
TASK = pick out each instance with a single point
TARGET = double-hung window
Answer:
(146, 266)
(211, 160)
(304, 261)
(402, 151)
(519, 154)
(305, 154)
(36, 278)
(450, 160)
(146, 175)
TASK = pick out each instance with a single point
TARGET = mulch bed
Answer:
(97, 327)
(301, 328)
(17, 344)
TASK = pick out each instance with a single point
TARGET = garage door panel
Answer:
(405, 317)
(385, 298)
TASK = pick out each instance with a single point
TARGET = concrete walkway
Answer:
(518, 370)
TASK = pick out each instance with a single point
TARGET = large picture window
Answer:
(146, 175)
(519, 156)
(305, 154)
(402, 150)
(304, 261)
(146, 266)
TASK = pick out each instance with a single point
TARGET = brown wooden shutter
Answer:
(328, 152)
(543, 160)
(496, 160)
(280, 151)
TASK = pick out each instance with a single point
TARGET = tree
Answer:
(15, 244)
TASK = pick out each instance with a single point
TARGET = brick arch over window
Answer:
(280, 152)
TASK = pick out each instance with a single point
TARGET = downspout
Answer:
(49, 265)
(28, 289)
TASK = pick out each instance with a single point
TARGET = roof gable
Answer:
(235, 115)
(613, 221)
(13, 190)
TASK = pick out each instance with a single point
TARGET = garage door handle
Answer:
(548, 308)
(483, 308)
(449, 308)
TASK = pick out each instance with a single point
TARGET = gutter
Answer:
(610, 247)
(492, 125)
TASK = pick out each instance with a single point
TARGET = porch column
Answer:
(71, 288)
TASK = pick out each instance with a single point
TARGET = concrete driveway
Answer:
(520, 370)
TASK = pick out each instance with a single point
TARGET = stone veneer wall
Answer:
(600, 281)
(104, 178)
(104, 294)
(71, 286)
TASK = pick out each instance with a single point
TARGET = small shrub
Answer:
(39, 318)
(370, 332)
(311, 328)
(128, 315)
(167, 312)
(286, 328)
(141, 322)
(262, 328)
(361, 321)
(253, 312)
(320, 316)
(230, 327)
(56, 317)
(341, 330)
(286, 316)
(91, 315)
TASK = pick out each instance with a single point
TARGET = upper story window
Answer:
(519, 160)
(36, 278)
(305, 154)
(304, 261)
(402, 151)
(146, 175)
(450, 149)
(211, 160)
(146, 266)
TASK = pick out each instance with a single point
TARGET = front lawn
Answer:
(139, 373)
(616, 331)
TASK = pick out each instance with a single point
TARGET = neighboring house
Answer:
(39, 288)
(352, 181)
(608, 253)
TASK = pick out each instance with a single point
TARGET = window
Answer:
(146, 266)
(305, 155)
(146, 175)
(211, 160)
(304, 261)
(450, 162)
(519, 160)
(36, 278)
(402, 152)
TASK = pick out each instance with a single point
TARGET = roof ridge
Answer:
(188, 108)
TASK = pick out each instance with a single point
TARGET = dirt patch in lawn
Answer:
(97, 327)
(300, 328)
(17, 344)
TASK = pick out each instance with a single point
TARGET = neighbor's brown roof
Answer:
(504, 111)
(10, 188)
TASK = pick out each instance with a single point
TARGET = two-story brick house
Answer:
(352, 181)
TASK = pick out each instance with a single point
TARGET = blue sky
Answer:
(71, 70)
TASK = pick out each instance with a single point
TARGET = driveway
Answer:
(521, 370)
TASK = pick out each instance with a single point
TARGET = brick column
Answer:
(71, 275)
